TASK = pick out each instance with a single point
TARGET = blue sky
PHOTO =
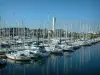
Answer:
(34, 13)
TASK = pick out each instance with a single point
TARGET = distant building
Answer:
(54, 22)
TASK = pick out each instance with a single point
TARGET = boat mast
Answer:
(18, 30)
(43, 33)
(60, 35)
(66, 33)
(83, 32)
(0, 31)
(71, 34)
(13, 31)
(87, 31)
(4, 32)
(38, 36)
(48, 30)
(9, 34)
(80, 30)
(23, 33)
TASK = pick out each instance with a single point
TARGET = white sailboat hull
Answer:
(15, 57)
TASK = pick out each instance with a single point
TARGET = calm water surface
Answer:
(85, 61)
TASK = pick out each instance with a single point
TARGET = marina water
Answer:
(84, 61)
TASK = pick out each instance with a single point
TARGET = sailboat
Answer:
(3, 43)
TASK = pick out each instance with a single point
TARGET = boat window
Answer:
(22, 55)
(56, 46)
(9, 51)
(31, 53)
(41, 47)
(12, 51)
(42, 50)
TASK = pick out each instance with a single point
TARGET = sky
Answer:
(34, 13)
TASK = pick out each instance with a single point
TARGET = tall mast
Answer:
(18, 30)
(80, 30)
(71, 34)
(48, 29)
(43, 32)
(13, 27)
(66, 33)
(4, 32)
(8, 34)
(86, 31)
(0, 31)
(23, 33)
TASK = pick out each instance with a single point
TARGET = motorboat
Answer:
(30, 53)
(56, 49)
(17, 55)
(41, 51)
(66, 47)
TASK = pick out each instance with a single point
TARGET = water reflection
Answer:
(39, 61)
(18, 62)
(84, 61)
(24, 67)
(2, 65)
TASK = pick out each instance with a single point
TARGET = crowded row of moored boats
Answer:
(37, 49)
